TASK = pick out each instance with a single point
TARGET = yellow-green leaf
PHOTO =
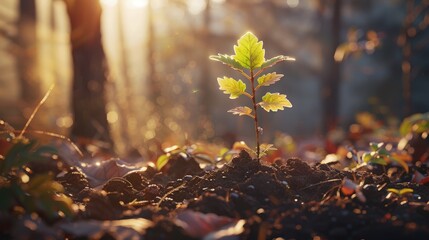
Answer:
(241, 145)
(274, 102)
(366, 157)
(231, 86)
(268, 79)
(400, 192)
(241, 111)
(273, 61)
(161, 161)
(228, 60)
(405, 191)
(417, 123)
(249, 51)
(401, 162)
(393, 190)
(265, 148)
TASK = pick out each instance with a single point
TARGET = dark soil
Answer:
(285, 200)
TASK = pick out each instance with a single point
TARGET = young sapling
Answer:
(249, 61)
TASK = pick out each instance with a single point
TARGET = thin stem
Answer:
(244, 74)
(247, 95)
(51, 134)
(35, 111)
(259, 72)
(255, 106)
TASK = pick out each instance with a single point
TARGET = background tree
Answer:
(414, 41)
(27, 64)
(331, 76)
(88, 98)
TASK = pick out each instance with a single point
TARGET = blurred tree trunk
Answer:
(414, 41)
(404, 42)
(206, 96)
(27, 63)
(88, 96)
(125, 105)
(205, 71)
(154, 87)
(331, 80)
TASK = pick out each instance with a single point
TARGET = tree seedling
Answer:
(417, 123)
(249, 61)
(19, 187)
(381, 156)
(403, 195)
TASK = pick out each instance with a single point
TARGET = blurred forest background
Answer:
(160, 86)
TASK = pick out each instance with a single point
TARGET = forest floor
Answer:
(242, 199)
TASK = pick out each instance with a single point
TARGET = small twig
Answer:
(36, 110)
(168, 193)
(51, 134)
(327, 196)
(320, 183)
(59, 136)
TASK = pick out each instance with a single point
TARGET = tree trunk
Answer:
(126, 105)
(205, 96)
(414, 40)
(30, 90)
(88, 96)
(331, 81)
(154, 86)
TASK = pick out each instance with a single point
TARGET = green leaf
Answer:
(375, 146)
(366, 157)
(273, 61)
(383, 152)
(416, 123)
(240, 111)
(45, 151)
(227, 60)
(268, 79)
(231, 86)
(43, 183)
(274, 102)
(378, 160)
(249, 51)
(17, 156)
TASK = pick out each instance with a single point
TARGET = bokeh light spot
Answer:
(292, 3)
(112, 117)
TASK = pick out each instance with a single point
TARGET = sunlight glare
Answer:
(109, 3)
(129, 3)
(137, 3)
(196, 6)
